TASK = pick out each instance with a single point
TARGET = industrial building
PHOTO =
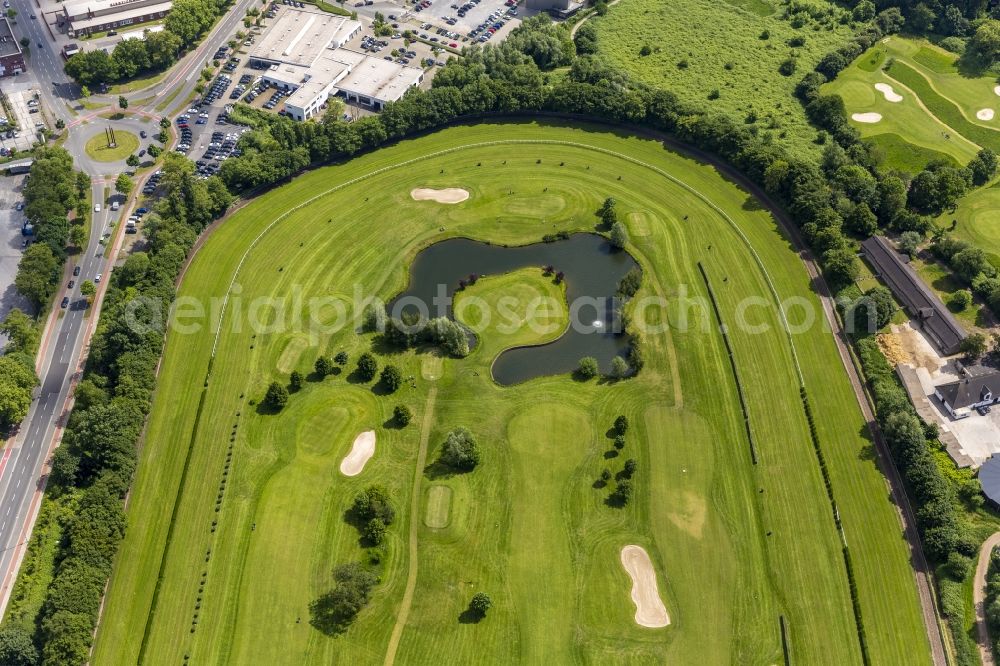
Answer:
(11, 56)
(559, 8)
(921, 303)
(304, 52)
(83, 17)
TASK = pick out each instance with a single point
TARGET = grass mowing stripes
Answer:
(943, 108)
(697, 508)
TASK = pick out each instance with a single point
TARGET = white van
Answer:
(97, 208)
(114, 205)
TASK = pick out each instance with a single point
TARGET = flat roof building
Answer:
(989, 480)
(88, 16)
(11, 56)
(921, 303)
(304, 52)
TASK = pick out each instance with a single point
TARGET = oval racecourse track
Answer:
(735, 545)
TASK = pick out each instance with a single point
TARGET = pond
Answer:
(592, 269)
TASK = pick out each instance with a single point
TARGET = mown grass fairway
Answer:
(734, 545)
(937, 116)
(698, 46)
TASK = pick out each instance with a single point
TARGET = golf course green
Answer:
(236, 518)
(910, 98)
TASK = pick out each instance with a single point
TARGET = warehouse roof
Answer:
(300, 37)
(380, 79)
(922, 303)
(8, 45)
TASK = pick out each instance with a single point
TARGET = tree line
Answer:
(155, 52)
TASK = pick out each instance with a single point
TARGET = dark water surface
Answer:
(592, 271)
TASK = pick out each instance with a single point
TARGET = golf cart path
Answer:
(411, 575)
(979, 598)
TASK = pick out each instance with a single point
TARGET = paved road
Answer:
(24, 459)
(979, 598)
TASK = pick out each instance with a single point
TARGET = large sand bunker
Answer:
(451, 195)
(869, 117)
(985, 114)
(363, 449)
(887, 91)
(649, 608)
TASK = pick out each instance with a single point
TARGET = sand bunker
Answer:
(867, 117)
(996, 89)
(451, 195)
(984, 114)
(649, 608)
(363, 449)
(887, 91)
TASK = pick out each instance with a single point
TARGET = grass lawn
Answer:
(138, 83)
(976, 217)
(702, 45)
(126, 143)
(938, 113)
(734, 545)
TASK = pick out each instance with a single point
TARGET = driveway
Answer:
(979, 598)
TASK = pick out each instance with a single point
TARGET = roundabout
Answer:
(100, 148)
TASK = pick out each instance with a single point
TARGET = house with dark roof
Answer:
(921, 303)
(962, 397)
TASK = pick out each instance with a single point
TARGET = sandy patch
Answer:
(985, 114)
(438, 507)
(431, 366)
(889, 94)
(689, 513)
(450, 195)
(649, 608)
(639, 222)
(361, 451)
(290, 354)
(996, 89)
(868, 118)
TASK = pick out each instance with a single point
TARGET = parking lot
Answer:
(11, 245)
(19, 132)
(465, 21)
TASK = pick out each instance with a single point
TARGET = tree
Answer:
(983, 166)
(863, 11)
(460, 450)
(974, 345)
(295, 381)
(619, 441)
(623, 491)
(970, 263)
(841, 266)
(402, 415)
(123, 184)
(984, 44)
(21, 332)
(480, 603)
(619, 235)
(88, 288)
(373, 502)
(619, 367)
(367, 367)
(587, 369)
(16, 647)
(862, 220)
(630, 467)
(374, 532)
(323, 367)
(336, 609)
(132, 160)
(77, 236)
(621, 424)
(391, 378)
(165, 123)
(909, 241)
(873, 311)
(276, 397)
(122, 100)
(960, 300)
(37, 273)
(340, 358)
(17, 381)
